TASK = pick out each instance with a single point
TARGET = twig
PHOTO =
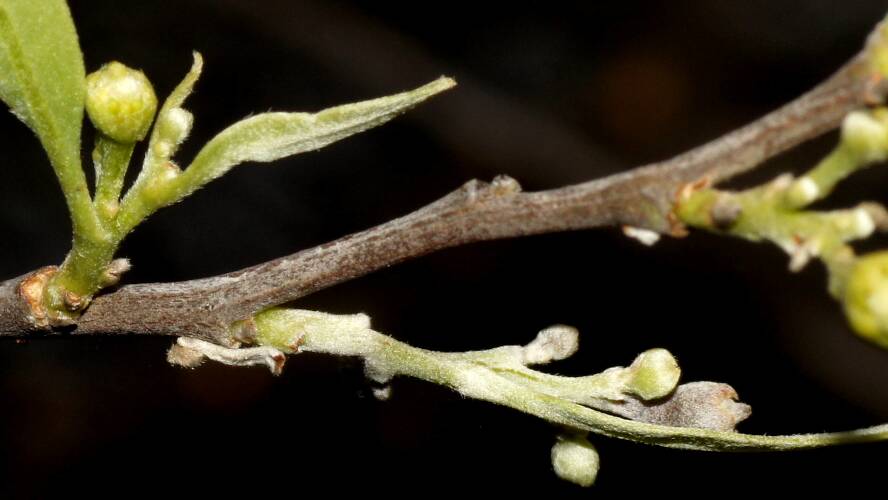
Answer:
(644, 197)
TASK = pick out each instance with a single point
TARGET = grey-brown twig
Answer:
(643, 198)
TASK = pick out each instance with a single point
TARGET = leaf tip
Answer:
(443, 83)
(437, 86)
(197, 65)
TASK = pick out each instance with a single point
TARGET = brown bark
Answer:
(642, 197)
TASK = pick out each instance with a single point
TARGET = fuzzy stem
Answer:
(287, 329)
(111, 160)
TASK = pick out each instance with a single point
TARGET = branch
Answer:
(642, 198)
(642, 402)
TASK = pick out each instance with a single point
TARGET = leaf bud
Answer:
(175, 125)
(575, 459)
(554, 343)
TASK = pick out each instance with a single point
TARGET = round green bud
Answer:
(866, 297)
(575, 459)
(120, 102)
(653, 374)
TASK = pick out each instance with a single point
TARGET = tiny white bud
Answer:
(803, 191)
(552, 344)
(864, 225)
(866, 135)
(575, 459)
(382, 393)
(113, 271)
(175, 125)
(645, 236)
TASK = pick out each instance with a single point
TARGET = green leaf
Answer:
(261, 138)
(42, 74)
(270, 136)
(173, 123)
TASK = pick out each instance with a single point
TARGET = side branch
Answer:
(643, 197)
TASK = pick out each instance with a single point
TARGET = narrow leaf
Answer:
(165, 139)
(42, 74)
(270, 136)
(186, 86)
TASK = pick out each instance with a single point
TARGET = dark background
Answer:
(552, 94)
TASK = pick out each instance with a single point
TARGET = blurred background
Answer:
(551, 94)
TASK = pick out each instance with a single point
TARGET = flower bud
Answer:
(113, 271)
(175, 125)
(802, 192)
(552, 344)
(866, 133)
(866, 297)
(575, 459)
(653, 374)
(120, 102)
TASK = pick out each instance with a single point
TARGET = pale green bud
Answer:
(802, 192)
(653, 374)
(120, 102)
(175, 125)
(575, 459)
(866, 133)
(866, 297)
(552, 344)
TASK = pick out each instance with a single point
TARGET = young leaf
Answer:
(260, 138)
(173, 123)
(42, 74)
(270, 136)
